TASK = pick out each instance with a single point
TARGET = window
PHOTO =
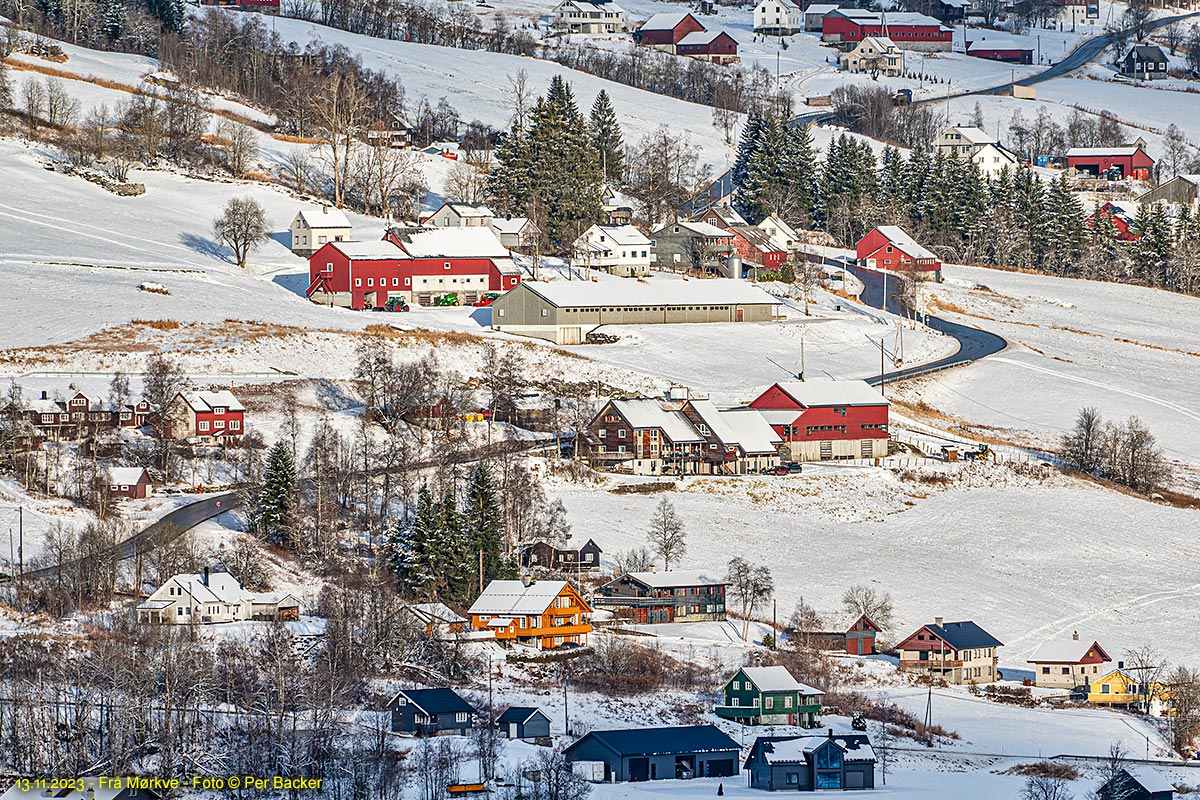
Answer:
(770, 702)
(370, 281)
(446, 265)
(179, 611)
(829, 758)
(545, 312)
(358, 281)
(395, 281)
(329, 267)
(202, 425)
(1045, 670)
(603, 433)
(1066, 670)
(792, 779)
(462, 716)
(234, 424)
(500, 312)
(1104, 688)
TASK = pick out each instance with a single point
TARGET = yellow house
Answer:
(1121, 688)
(541, 614)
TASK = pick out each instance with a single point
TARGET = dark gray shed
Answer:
(523, 722)
(647, 754)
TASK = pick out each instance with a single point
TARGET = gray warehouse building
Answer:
(566, 311)
(649, 754)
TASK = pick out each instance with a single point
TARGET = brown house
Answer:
(955, 652)
(132, 483)
(547, 556)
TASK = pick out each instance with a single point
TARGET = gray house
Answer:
(647, 754)
(699, 245)
(429, 712)
(812, 763)
(523, 722)
(1144, 62)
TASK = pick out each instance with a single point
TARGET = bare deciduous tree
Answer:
(242, 147)
(749, 586)
(666, 534)
(243, 226)
(877, 605)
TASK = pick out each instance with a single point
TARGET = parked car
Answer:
(776, 470)
(793, 466)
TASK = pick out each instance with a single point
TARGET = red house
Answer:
(425, 269)
(206, 415)
(823, 420)
(1009, 50)
(1115, 163)
(127, 482)
(908, 30)
(889, 247)
(665, 30)
(1122, 216)
(858, 639)
(715, 46)
(755, 246)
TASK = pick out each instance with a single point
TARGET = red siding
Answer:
(1013, 56)
(852, 418)
(688, 24)
(1137, 165)
(219, 424)
(852, 31)
(770, 259)
(874, 245)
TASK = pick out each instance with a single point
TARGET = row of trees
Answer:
(1126, 453)
(1015, 220)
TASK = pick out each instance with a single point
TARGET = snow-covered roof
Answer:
(455, 243)
(777, 679)
(207, 401)
(997, 43)
(676, 577)
(508, 224)
(1102, 151)
(699, 228)
(893, 18)
(1068, 651)
(469, 209)
(796, 750)
(125, 476)
(790, 4)
(666, 292)
(880, 43)
(821, 8)
(664, 22)
(626, 235)
(973, 135)
(779, 416)
(759, 238)
(434, 612)
(516, 599)
(647, 413)
(1150, 780)
(900, 238)
(506, 266)
(701, 37)
(744, 427)
(325, 217)
(219, 587)
(728, 214)
(811, 394)
(381, 248)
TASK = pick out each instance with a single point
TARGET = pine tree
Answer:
(1151, 252)
(799, 172)
(416, 549)
(1065, 229)
(762, 188)
(748, 145)
(112, 18)
(606, 138)
(457, 558)
(277, 497)
(483, 523)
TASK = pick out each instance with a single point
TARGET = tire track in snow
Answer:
(1101, 384)
(70, 226)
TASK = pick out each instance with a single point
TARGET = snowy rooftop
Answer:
(207, 401)
(832, 393)
(435, 612)
(974, 135)
(1068, 651)
(745, 427)
(125, 476)
(701, 37)
(648, 413)
(821, 8)
(508, 224)
(676, 577)
(619, 234)
(630, 292)
(455, 242)
(1150, 780)
(777, 679)
(796, 750)
(664, 22)
(1001, 42)
(514, 597)
(326, 217)
(699, 228)
(369, 250)
(900, 238)
(1102, 151)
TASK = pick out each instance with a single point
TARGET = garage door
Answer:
(571, 335)
(639, 769)
(854, 780)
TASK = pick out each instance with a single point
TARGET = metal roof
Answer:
(327, 217)
(663, 741)
(515, 598)
(436, 701)
(674, 578)
(626, 292)
(1068, 651)
(519, 714)
(814, 394)
(777, 679)
(898, 237)
(965, 635)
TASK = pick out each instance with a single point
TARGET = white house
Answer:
(582, 16)
(515, 232)
(312, 228)
(970, 142)
(461, 215)
(206, 598)
(619, 249)
(780, 231)
(778, 17)
(874, 55)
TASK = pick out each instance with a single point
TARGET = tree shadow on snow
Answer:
(294, 282)
(207, 247)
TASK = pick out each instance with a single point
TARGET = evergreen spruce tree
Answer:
(112, 18)
(1064, 228)
(747, 145)
(457, 557)
(1029, 214)
(508, 183)
(798, 169)
(1151, 252)
(417, 549)
(763, 189)
(892, 190)
(917, 172)
(277, 497)
(6, 95)
(483, 523)
(606, 138)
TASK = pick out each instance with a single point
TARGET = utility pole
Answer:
(774, 622)
(566, 703)
(881, 378)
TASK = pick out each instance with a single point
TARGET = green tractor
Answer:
(448, 299)
(396, 304)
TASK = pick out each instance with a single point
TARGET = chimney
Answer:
(1120, 665)
(44, 396)
(938, 621)
(324, 209)
(830, 733)
(204, 580)
(1075, 636)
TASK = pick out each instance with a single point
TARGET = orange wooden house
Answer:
(541, 614)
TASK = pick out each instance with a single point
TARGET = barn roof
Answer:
(664, 22)
(1085, 152)
(965, 635)
(436, 701)
(663, 741)
(703, 37)
(455, 243)
(812, 394)
(623, 293)
(372, 251)
(900, 238)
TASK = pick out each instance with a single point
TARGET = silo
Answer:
(734, 265)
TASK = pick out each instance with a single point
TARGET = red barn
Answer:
(1115, 163)
(207, 415)
(889, 247)
(1010, 50)
(665, 30)
(423, 268)
(1122, 216)
(715, 46)
(755, 246)
(822, 420)
(908, 30)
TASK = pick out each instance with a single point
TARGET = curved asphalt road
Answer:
(973, 343)
(164, 530)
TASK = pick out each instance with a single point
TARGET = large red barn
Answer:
(715, 46)
(420, 270)
(888, 247)
(822, 420)
(1130, 161)
(665, 30)
(909, 31)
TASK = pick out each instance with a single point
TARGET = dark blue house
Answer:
(812, 763)
(429, 712)
(523, 722)
(1137, 783)
(647, 754)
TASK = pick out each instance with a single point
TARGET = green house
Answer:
(770, 696)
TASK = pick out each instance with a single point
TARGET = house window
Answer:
(446, 265)
(603, 433)
(179, 611)
(202, 426)
(395, 281)
(462, 716)
(1066, 670)
(621, 433)
(370, 281)
(793, 779)
(234, 425)
(358, 281)
(1104, 688)
(1045, 670)
(329, 266)
(500, 312)
(545, 313)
